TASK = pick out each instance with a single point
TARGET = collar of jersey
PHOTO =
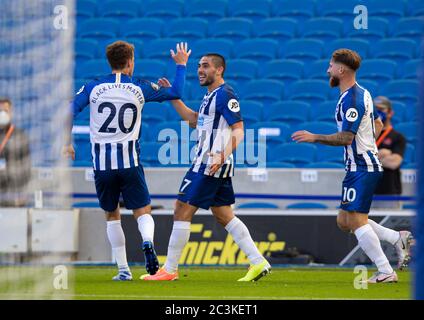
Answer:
(209, 93)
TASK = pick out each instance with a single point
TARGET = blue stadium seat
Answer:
(250, 9)
(378, 28)
(298, 154)
(157, 9)
(280, 164)
(411, 28)
(277, 132)
(149, 153)
(306, 205)
(120, 9)
(312, 91)
(82, 147)
(325, 29)
(391, 10)
(399, 110)
(145, 29)
(188, 29)
(299, 10)
(207, 10)
(409, 130)
(306, 50)
(409, 155)
(86, 204)
(317, 127)
(330, 153)
(222, 46)
(159, 48)
(397, 49)
(266, 91)
(280, 29)
(235, 29)
(155, 112)
(411, 69)
(101, 28)
(337, 9)
(191, 70)
(197, 92)
(415, 8)
(155, 130)
(93, 69)
(251, 111)
(324, 111)
(151, 69)
(260, 50)
(317, 69)
(86, 8)
(359, 45)
(257, 205)
(241, 70)
(377, 70)
(85, 49)
(250, 155)
(283, 70)
(325, 165)
(371, 86)
(403, 90)
(290, 112)
(145, 132)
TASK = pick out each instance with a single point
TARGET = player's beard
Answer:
(207, 82)
(334, 81)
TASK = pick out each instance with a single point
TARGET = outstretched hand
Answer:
(303, 136)
(163, 82)
(181, 57)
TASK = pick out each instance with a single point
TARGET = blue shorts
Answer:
(130, 182)
(204, 191)
(358, 190)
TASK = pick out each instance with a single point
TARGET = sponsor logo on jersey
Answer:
(351, 114)
(233, 105)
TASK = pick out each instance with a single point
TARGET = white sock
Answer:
(179, 238)
(146, 226)
(241, 236)
(383, 233)
(116, 238)
(369, 242)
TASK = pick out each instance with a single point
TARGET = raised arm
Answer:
(185, 112)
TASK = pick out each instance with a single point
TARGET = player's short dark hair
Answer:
(218, 60)
(6, 100)
(347, 57)
(118, 54)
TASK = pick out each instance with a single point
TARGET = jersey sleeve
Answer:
(353, 114)
(81, 100)
(152, 92)
(228, 104)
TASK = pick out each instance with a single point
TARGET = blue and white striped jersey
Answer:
(219, 110)
(116, 103)
(355, 113)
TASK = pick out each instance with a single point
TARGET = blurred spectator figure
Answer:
(15, 162)
(391, 148)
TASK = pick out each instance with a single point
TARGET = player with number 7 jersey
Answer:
(116, 103)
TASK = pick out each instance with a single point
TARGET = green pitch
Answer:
(94, 283)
